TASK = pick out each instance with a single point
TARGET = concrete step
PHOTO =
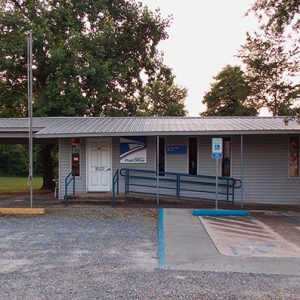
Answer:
(94, 196)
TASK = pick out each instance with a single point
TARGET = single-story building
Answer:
(261, 152)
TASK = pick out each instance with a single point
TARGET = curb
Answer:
(161, 239)
(220, 213)
(21, 211)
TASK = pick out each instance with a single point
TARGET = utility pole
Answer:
(29, 88)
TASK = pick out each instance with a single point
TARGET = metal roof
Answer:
(54, 127)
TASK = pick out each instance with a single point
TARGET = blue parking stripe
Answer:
(220, 213)
(161, 239)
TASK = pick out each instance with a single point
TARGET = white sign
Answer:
(217, 147)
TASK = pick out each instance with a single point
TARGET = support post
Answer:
(242, 170)
(157, 170)
(29, 89)
(217, 181)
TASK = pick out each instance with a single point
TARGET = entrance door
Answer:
(99, 165)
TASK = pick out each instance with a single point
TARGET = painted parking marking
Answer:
(247, 237)
(161, 239)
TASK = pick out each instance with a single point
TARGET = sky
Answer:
(204, 37)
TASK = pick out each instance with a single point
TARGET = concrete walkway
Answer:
(189, 247)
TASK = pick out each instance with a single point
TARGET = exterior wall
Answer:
(266, 177)
(176, 162)
(150, 165)
(265, 167)
(65, 167)
(266, 172)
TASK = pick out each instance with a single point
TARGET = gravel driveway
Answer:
(106, 253)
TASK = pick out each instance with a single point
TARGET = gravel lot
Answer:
(105, 253)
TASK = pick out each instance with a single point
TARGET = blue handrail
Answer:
(227, 185)
(115, 186)
(70, 178)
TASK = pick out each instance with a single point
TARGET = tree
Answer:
(162, 97)
(269, 71)
(278, 15)
(228, 94)
(272, 55)
(91, 58)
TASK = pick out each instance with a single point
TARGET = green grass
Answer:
(18, 184)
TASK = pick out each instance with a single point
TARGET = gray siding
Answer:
(65, 167)
(176, 162)
(266, 177)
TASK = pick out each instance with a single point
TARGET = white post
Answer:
(157, 170)
(217, 181)
(242, 170)
(29, 87)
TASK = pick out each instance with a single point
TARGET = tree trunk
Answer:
(47, 167)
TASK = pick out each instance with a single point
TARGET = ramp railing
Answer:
(115, 186)
(179, 185)
(68, 180)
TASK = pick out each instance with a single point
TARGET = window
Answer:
(76, 156)
(161, 160)
(226, 161)
(294, 157)
(193, 156)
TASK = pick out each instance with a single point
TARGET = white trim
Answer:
(59, 168)
(231, 156)
(87, 145)
(198, 155)
(86, 163)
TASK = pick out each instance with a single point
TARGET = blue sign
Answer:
(133, 150)
(216, 155)
(176, 149)
(217, 148)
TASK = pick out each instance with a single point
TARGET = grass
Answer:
(18, 184)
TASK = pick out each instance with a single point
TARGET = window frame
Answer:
(230, 157)
(188, 154)
(165, 155)
(288, 157)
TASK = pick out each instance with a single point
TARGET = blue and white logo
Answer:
(133, 150)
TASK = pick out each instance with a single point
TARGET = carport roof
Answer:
(54, 127)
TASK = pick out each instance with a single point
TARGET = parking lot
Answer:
(112, 253)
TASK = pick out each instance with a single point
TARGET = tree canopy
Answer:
(278, 15)
(269, 72)
(271, 56)
(228, 94)
(90, 58)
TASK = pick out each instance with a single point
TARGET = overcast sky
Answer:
(204, 37)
